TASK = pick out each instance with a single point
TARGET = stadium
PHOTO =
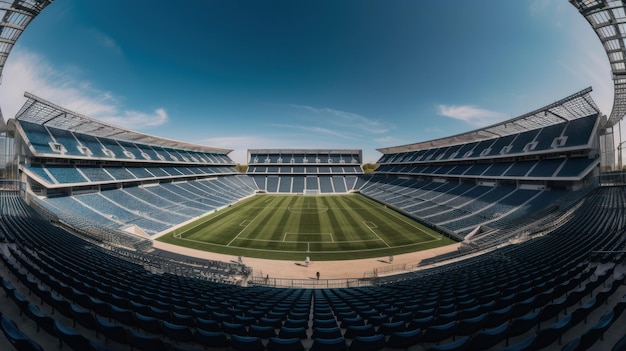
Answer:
(508, 237)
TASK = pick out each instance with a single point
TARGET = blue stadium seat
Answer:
(70, 337)
(337, 344)
(149, 324)
(112, 331)
(211, 339)
(260, 331)
(457, 345)
(326, 333)
(177, 332)
(391, 327)
(404, 340)
(15, 336)
(280, 344)
(146, 342)
(292, 332)
(368, 343)
(246, 343)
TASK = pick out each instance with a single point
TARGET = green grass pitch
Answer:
(291, 227)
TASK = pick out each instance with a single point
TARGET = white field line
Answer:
(292, 251)
(205, 219)
(370, 224)
(252, 220)
(297, 241)
(403, 219)
(378, 236)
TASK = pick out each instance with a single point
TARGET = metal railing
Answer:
(258, 279)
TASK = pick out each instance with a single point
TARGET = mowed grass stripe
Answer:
(368, 213)
(224, 224)
(309, 221)
(268, 218)
(293, 221)
(326, 221)
(351, 224)
(251, 225)
(350, 233)
(267, 227)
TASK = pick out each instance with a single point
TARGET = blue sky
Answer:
(305, 74)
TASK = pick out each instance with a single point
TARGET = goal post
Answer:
(311, 192)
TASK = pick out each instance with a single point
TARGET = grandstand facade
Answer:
(110, 177)
(488, 178)
(302, 171)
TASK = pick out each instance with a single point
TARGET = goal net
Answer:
(311, 192)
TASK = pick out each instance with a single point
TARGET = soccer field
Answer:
(334, 227)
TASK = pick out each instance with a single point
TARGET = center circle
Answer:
(307, 209)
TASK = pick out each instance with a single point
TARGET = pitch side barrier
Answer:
(260, 280)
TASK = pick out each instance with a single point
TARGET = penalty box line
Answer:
(332, 238)
(370, 224)
(251, 220)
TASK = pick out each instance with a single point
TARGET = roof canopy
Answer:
(572, 107)
(40, 111)
(608, 20)
(15, 15)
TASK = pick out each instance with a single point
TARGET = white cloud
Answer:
(109, 43)
(240, 145)
(594, 70)
(319, 130)
(470, 114)
(230, 142)
(29, 71)
(105, 41)
(349, 119)
(387, 140)
(433, 130)
(540, 8)
(136, 119)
